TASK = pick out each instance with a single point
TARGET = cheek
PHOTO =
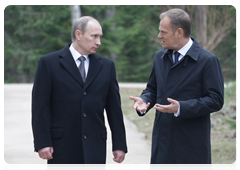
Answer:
(89, 44)
(170, 40)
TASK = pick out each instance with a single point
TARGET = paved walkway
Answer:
(18, 140)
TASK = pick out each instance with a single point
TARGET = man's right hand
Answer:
(46, 153)
(139, 104)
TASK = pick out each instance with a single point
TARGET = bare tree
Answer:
(220, 23)
(75, 12)
(210, 24)
(201, 24)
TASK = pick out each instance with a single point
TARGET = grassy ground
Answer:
(223, 131)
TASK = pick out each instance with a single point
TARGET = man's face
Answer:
(169, 39)
(91, 39)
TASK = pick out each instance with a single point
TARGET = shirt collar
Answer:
(185, 48)
(76, 54)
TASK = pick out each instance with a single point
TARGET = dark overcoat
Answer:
(197, 83)
(69, 114)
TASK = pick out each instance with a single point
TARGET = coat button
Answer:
(84, 137)
(84, 93)
(84, 115)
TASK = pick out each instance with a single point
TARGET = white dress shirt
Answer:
(183, 50)
(76, 55)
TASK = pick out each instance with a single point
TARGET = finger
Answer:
(135, 106)
(140, 109)
(171, 100)
(117, 156)
(132, 98)
(47, 154)
(156, 107)
(51, 150)
(159, 107)
(162, 106)
(42, 154)
(147, 105)
(114, 155)
(121, 158)
(118, 159)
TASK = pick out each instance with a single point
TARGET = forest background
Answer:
(130, 36)
(130, 40)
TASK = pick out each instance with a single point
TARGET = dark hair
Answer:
(179, 19)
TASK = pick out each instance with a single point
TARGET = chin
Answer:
(163, 46)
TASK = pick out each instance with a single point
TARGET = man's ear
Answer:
(180, 32)
(78, 34)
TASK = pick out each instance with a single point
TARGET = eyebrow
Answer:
(97, 34)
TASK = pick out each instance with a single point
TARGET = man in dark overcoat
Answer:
(185, 86)
(72, 88)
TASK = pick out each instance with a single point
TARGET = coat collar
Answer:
(193, 52)
(66, 59)
(94, 68)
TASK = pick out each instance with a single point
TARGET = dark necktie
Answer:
(81, 68)
(176, 55)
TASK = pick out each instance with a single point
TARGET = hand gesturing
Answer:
(139, 104)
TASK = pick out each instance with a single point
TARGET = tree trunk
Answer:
(201, 25)
(110, 14)
(75, 12)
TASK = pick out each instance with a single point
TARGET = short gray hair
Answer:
(81, 24)
(178, 19)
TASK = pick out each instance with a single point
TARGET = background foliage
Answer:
(130, 37)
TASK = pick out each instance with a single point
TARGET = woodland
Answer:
(130, 36)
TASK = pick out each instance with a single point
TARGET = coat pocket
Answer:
(104, 134)
(56, 133)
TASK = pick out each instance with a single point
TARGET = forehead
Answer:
(94, 28)
(165, 23)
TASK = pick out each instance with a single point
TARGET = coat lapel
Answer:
(94, 68)
(69, 64)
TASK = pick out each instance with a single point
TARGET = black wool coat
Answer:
(197, 83)
(68, 114)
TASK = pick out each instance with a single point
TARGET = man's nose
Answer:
(160, 35)
(98, 42)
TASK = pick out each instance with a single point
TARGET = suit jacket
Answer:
(197, 83)
(69, 114)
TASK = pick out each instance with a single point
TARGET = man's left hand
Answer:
(172, 108)
(119, 156)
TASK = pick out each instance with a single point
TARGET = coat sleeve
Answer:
(149, 94)
(212, 89)
(41, 94)
(114, 114)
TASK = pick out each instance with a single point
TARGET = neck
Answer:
(182, 42)
(77, 48)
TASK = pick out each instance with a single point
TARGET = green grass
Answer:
(223, 131)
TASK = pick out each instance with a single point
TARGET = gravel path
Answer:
(18, 140)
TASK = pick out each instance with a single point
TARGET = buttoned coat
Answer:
(197, 83)
(68, 114)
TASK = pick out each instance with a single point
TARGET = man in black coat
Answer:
(185, 86)
(68, 101)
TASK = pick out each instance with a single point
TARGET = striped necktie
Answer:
(81, 68)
